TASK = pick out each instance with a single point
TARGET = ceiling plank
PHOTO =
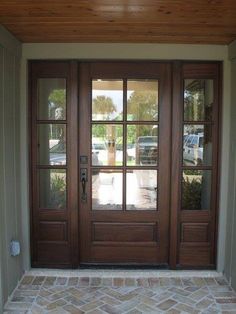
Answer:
(179, 21)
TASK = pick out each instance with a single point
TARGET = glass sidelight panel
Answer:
(52, 188)
(142, 100)
(51, 99)
(107, 145)
(198, 99)
(52, 144)
(142, 144)
(141, 190)
(197, 145)
(107, 189)
(196, 189)
(107, 99)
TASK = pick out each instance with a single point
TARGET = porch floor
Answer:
(113, 291)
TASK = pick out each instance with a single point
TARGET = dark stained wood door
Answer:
(124, 145)
(124, 163)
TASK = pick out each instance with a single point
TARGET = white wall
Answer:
(11, 268)
(131, 52)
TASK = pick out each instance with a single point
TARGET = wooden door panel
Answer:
(125, 235)
(196, 196)
(124, 232)
(53, 160)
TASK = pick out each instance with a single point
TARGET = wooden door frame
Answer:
(73, 166)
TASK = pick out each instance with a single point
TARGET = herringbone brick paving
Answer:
(102, 295)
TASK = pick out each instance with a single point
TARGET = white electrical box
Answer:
(14, 248)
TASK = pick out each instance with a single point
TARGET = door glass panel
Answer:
(107, 145)
(198, 100)
(142, 142)
(52, 144)
(52, 188)
(142, 100)
(141, 190)
(51, 99)
(197, 145)
(107, 99)
(107, 189)
(196, 189)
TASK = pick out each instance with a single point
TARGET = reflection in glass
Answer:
(52, 188)
(141, 190)
(52, 144)
(142, 144)
(51, 99)
(107, 100)
(197, 145)
(196, 190)
(107, 190)
(107, 145)
(198, 99)
(142, 100)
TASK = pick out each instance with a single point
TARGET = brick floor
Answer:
(121, 294)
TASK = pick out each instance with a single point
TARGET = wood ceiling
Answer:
(134, 21)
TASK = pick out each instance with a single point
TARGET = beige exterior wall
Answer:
(230, 261)
(11, 268)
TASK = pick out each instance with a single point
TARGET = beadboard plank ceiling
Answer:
(134, 21)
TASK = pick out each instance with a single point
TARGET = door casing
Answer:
(180, 70)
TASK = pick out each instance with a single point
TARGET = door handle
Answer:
(83, 179)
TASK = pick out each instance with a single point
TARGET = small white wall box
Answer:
(14, 248)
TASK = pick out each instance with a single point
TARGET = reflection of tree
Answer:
(194, 100)
(142, 105)
(58, 191)
(191, 199)
(57, 99)
(104, 106)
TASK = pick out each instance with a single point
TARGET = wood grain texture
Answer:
(123, 232)
(163, 21)
(195, 232)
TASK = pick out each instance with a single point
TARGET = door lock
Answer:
(83, 179)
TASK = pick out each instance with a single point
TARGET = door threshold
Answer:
(124, 266)
(124, 273)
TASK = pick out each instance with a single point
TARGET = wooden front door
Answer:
(124, 163)
(124, 129)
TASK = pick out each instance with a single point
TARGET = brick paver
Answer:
(108, 295)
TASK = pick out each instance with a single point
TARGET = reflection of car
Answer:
(193, 148)
(146, 150)
(58, 154)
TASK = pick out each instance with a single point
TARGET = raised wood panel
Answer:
(195, 256)
(53, 254)
(53, 231)
(102, 21)
(195, 232)
(125, 232)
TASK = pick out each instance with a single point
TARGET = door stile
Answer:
(177, 100)
(73, 136)
(84, 138)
